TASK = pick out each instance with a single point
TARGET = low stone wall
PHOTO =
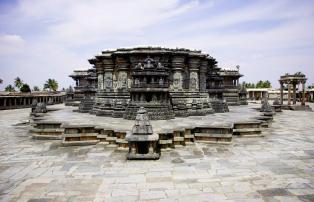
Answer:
(80, 135)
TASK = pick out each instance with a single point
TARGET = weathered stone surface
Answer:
(242, 171)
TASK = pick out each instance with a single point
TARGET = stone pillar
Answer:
(289, 94)
(303, 93)
(294, 94)
(177, 69)
(5, 102)
(108, 74)
(24, 101)
(122, 66)
(100, 76)
(203, 73)
(14, 101)
(194, 66)
(281, 93)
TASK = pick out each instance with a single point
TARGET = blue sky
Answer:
(41, 39)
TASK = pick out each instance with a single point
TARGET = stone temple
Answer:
(167, 82)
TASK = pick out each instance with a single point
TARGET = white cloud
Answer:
(53, 37)
(78, 22)
(11, 44)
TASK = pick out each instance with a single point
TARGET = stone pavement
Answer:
(277, 167)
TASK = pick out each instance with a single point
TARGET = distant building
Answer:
(260, 93)
(85, 86)
(16, 100)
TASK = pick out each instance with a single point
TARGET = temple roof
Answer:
(230, 73)
(150, 50)
(82, 73)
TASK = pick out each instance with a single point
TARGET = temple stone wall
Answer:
(188, 81)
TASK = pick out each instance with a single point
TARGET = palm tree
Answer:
(18, 82)
(9, 88)
(51, 84)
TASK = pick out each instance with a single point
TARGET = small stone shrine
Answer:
(266, 108)
(143, 143)
(242, 95)
(277, 105)
(33, 106)
(38, 107)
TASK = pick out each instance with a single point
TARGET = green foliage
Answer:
(9, 88)
(18, 82)
(248, 85)
(51, 84)
(259, 84)
(36, 88)
(25, 88)
(299, 74)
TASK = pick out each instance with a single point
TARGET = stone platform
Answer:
(277, 167)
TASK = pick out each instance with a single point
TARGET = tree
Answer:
(51, 84)
(267, 84)
(36, 88)
(25, 88)
(259, 84)
(9, 88)
(249, 85)
(18, 82)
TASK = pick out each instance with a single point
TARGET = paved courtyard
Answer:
(277, 167)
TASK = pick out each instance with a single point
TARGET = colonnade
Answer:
(292, 81)
(14, 102)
